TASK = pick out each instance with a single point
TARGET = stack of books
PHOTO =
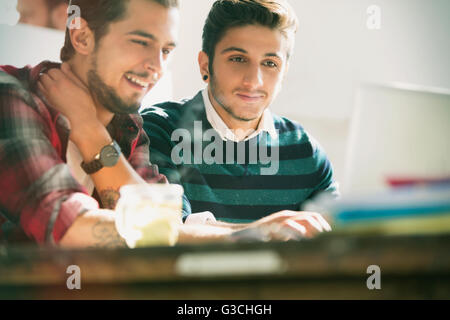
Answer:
(411, 209)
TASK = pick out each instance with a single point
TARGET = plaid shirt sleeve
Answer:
(140, 160)
(38, 192)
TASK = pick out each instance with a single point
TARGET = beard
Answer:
(107, 96)
(217, 95)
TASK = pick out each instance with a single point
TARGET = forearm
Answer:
(200, 233)
(90, 138)
(94, 229)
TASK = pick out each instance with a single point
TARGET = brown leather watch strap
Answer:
(92, 167)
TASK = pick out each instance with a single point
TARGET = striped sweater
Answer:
(238, 182)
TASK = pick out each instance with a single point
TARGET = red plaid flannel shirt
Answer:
(39, 197)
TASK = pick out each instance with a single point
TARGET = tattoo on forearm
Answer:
(109, 198)
(106, 236)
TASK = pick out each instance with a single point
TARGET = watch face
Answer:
(109, 156)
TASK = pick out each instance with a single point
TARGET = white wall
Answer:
(187, 80)
(29, 45)
(335, 50)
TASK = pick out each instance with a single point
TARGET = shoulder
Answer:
(13, 84)
(17, 98)
(162, 119)
(166, 110)
(292, 131)
(284, 124)
(170, 114)
(20, 84)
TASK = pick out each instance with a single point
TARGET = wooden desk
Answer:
(328, 267)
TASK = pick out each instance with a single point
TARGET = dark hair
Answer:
(99, 14)
(226, 14)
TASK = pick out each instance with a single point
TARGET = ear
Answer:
(82, 38)
(203, 62)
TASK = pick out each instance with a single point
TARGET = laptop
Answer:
(399, 132)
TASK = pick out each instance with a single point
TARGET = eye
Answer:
(237, 59)
(142, 43)
(166, 52)
(270, 64)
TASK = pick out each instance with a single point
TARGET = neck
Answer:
(241, 128)
(80, 68)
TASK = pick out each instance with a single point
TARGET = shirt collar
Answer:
(266, 124)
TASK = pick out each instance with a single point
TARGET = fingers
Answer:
(307, 228)
(60, 77)
(316, 219)
(49, 80)
(45, 83)
(322, 221)
(41, 87)
(298, 225)
(55, 74)
(283, 232)
(295, 230)
(288, 225)
(313, 222)
(278, 217)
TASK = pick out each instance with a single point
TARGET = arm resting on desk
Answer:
(97, 229)
(93, 229)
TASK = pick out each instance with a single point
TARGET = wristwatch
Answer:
(108, 157)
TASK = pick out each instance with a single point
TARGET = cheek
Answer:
(273, 83)
(229, 77)
(115, 59)
(111, 73)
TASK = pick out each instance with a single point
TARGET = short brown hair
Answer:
(99, 14)
(226, 14)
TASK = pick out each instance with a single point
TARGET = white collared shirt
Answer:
(266, 123)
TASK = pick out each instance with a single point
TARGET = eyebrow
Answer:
(233, 49)
(275, 55)
(147, 35)
(230, 49)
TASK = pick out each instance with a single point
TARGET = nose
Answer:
(154, 63)
(253, 77)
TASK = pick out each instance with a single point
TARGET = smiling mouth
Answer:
(249, 97)
(136, 83)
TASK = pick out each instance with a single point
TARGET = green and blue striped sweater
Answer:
(237, 191)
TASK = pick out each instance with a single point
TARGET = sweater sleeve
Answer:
(159, 127)
(326, 182)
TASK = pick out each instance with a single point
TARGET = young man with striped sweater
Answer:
(234, 158)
